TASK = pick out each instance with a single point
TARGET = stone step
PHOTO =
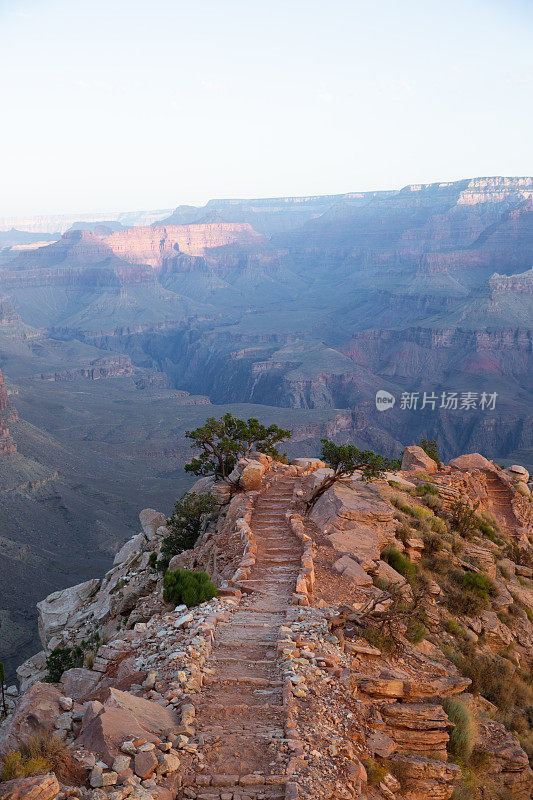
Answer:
(238, 793)
(253, 618)
(246, 642)
(268, 513)
(241, 660)
(251, 681)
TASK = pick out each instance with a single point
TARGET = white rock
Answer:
(59, 608)
(133, 545)
(184, 620)
(151, 520)
(65, 703)
(121, 763)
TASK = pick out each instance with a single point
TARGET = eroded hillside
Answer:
(379, 646)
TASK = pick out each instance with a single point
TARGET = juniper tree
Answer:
(344, 459)
(222, 442)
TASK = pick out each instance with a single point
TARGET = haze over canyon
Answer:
(119, 334)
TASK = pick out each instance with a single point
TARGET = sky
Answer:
(116, 105)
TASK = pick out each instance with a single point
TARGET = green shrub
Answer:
(432, 542)
(404, 532)
(463, 735)
(375, 772)
(458, 546)
(453, 627)
(16, 766)
(488, 531)
(459, 601)
(395, 484)
(420, 512)
(186, 586)
(185, 525)
(435, 503)
(438, 525)
(399, 562)
(379, 638)
(478, 584)
(416, 631)
(425, 489)
(40, 753)
(398, 501)
(61, 659)
(464, 519)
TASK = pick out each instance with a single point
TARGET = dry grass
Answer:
(40, 753)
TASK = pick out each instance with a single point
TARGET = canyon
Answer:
(120, 332)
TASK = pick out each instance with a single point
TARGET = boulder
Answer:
(133, 545)
(357, 521)
(104, 732)
(519, 473)
(57, 611)
(261, 457)
(380, 744)
(150, 716)
(79, 683)
(417, 727)
(414, 768)
(471, 461)
(497, 635)
(121, 718)
(203, 485)
(507, 764)
(32, 670)
(222, 492)
(151, 520)
(38, 709)
(41, 787)
(351, 569)
(252, 476)
(417, 460)
(388, 573)
(145, 764)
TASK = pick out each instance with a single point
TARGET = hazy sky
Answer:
(127, 104)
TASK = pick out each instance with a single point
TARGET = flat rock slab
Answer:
(41, 787)
(105, 728)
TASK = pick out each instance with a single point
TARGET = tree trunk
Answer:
(320, 489)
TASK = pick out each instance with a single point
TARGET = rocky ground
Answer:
(377, 647)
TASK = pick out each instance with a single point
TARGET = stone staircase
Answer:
(240, 714)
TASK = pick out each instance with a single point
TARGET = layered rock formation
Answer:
(7, 414)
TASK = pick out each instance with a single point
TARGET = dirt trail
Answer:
(239, 720)
(500, 502)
